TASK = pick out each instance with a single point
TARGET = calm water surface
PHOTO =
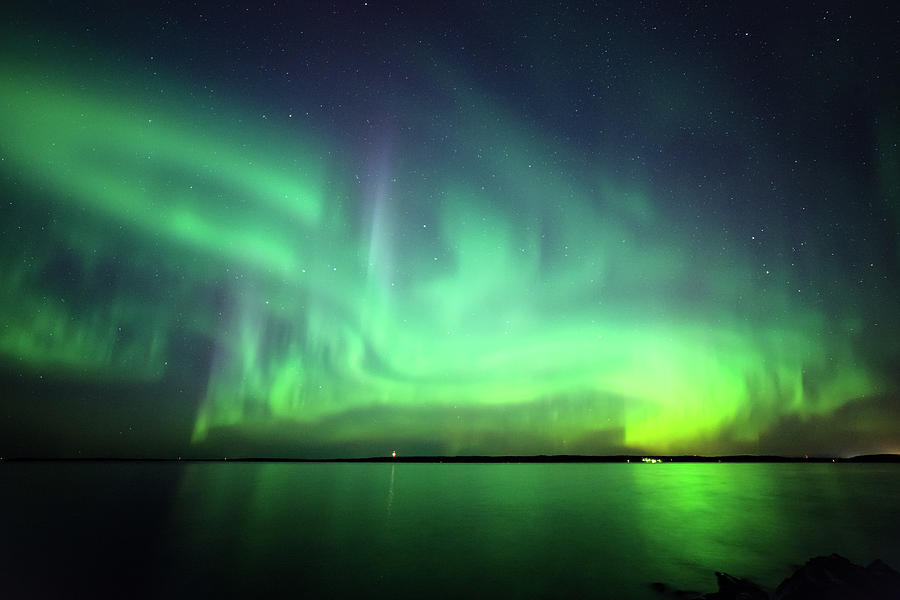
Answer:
(426, 530)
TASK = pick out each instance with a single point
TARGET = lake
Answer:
(401, 530)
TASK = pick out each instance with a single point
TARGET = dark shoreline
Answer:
(556, 458)
(821, 578)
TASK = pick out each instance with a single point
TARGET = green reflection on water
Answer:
(525, 529)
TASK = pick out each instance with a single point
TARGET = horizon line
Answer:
(532, 458)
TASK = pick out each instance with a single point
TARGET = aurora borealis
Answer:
(342, 229)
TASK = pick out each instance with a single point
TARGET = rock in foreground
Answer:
(821, 578)
(836, 578)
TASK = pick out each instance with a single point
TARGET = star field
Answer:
(334, 230)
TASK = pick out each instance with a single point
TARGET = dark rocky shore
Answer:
(821, 578)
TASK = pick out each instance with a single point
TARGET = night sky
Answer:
(343, 228)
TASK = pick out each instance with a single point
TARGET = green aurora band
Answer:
(498, 305)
